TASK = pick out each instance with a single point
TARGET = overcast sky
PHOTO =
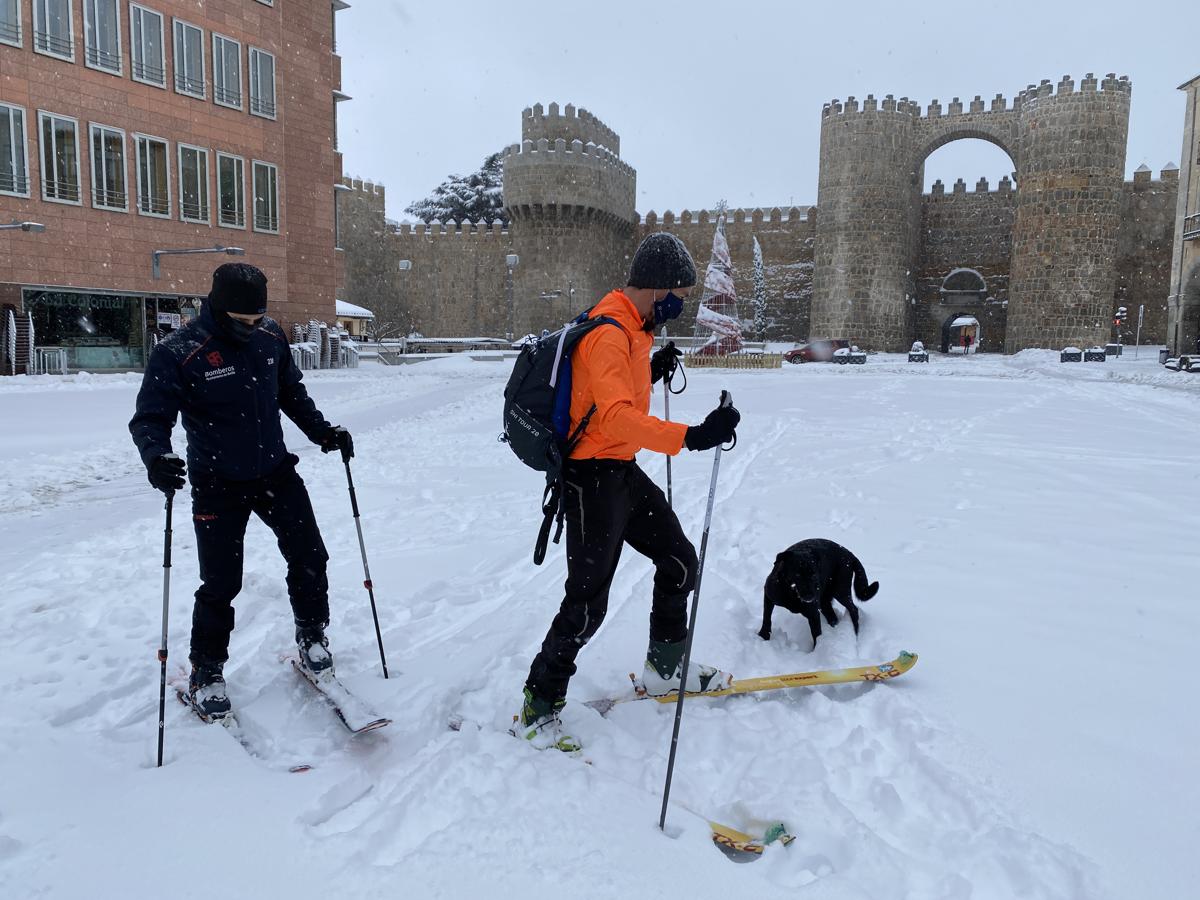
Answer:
(723, 100)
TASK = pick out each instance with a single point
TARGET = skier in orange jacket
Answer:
(609, 501)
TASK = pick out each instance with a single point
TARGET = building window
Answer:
(60, 158)
(231, 191)
(52, 28)
(10, 22)
(193, 184)
(154, 179)
(266, 197)
(189, 59)
(14, 158)
(102, 35)
(108, 168)
(146, 36)
(227, 72)
(262, 83)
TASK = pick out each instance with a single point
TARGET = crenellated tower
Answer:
(571, 202)
(1068, 152)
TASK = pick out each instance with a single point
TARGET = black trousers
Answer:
(609, 503)
(220, 511)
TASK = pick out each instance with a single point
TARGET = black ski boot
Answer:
(313, 648)
(206, 689)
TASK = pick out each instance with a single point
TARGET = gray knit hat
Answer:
(662, 261)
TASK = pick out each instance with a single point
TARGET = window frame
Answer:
(253, 76)
(241, 192)
(254, 164)
(19, 39)
(175, 55)
(119, 71)
(183, 216)
(69, 57)
(140, 136)
(162, 46)
(93, 127)
(24, 149)
(238, 55)
(78, 201)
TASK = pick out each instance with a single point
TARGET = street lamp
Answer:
(405, 265)
(511, 260)
(232, 251)
(36, 227)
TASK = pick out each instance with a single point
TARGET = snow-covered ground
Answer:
(1032, 525)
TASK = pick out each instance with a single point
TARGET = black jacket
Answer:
(230, 395)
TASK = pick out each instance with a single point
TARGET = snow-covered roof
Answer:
(349, 310)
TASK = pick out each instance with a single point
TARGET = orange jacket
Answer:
(611, 368)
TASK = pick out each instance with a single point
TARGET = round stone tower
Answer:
(570, 200)
(1071, 172)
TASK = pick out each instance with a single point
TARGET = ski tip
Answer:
(602, 706)
(303, 767)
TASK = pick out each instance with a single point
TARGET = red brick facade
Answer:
(88, 247)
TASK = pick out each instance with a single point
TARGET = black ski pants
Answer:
(220, 511)
(609, 503)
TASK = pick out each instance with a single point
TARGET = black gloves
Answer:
(717, 428)
(663, 362)
(338, 438)
(166, 473)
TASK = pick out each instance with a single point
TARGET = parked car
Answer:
(816, 351)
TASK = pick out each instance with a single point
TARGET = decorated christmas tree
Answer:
(718, 327)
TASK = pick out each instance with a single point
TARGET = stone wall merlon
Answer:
(451, 229)
(774, 215)
(540, 122)
(1066, 85)
(937, 190)
(543, 151)
(363, 186)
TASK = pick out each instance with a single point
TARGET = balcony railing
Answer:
(228, 96)
(193, 86)
(154, 205)
(149, 72)
(61, 190)
(10, 33)
(106, 198)
(102, 59)
(49, 43)
(233, 217)
(266, 222)
(193, 211)
(13, 183)
(262, 106)
(1191, 227)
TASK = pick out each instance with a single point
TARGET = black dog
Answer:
(808, 577)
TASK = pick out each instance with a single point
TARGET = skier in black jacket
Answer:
(230, 374)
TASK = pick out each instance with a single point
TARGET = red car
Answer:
(816, 351)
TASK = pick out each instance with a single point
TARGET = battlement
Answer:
(362, 186)
(759, 216)
(570, 125)
(977, 106)
(543, 151)
(1143, 177)
(937, 190)
(464, 230)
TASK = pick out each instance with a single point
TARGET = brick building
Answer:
(129, 127)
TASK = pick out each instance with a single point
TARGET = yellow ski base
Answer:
(883, 672)
(738, 841)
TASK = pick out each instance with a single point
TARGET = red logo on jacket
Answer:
(215, 360)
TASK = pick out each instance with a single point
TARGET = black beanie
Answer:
(238, 288)
(661, 261)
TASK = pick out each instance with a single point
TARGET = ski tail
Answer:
(862, 589)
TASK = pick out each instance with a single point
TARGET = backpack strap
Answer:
(553, 507)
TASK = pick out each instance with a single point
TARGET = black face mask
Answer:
(235, 329)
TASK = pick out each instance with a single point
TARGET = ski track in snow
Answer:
(900, 789)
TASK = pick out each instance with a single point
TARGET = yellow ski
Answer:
(882, 672)
(734, 842)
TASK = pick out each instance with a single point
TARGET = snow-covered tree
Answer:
(760, 294)
(472, 198)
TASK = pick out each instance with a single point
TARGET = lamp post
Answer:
(154, 255)
(36, 227)
(511, 260)
(405, 265)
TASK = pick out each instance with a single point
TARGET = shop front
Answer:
(102, 330)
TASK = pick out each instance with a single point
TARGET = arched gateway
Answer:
(1068, 147)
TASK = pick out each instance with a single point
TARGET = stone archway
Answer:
(1065, 215)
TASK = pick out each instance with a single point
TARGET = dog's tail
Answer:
(862, 589)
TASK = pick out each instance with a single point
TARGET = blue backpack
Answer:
(537, 414)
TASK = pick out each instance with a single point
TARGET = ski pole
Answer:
(726, 400)
(162, 649)
(366, 571)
